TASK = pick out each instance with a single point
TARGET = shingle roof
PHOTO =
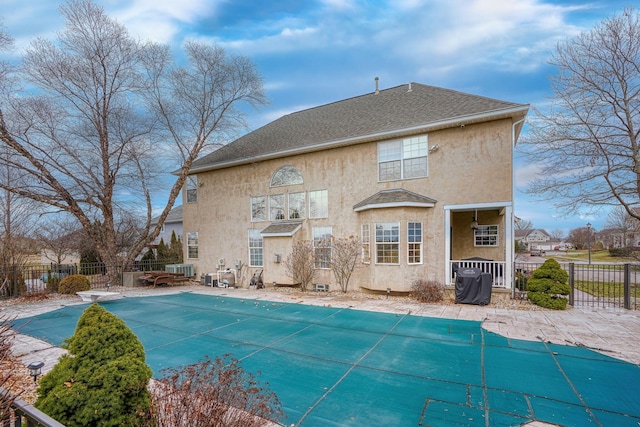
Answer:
(281, 229)
(394, 198)
(374, 116)
(175, 215)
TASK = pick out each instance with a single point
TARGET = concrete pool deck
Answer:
(613, 332)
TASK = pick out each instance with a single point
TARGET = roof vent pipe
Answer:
(409, 87)
(377, 90)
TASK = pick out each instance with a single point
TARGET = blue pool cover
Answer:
(344, 367)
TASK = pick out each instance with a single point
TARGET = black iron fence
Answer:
(593, 285)
(23, 280)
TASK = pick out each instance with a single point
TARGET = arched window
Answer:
(286, 175)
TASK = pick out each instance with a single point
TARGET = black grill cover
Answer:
(473, 286)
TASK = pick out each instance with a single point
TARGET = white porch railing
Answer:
(495, 268)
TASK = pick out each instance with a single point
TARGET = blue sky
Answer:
(312, 52)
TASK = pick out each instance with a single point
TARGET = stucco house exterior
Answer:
(422, 175)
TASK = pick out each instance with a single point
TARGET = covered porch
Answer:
(480, 236)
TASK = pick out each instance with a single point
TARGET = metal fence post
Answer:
(627, 286)
(572, 283)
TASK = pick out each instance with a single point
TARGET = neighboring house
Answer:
(538, 238)
(48, 256)
(173, 223)
(422, 175)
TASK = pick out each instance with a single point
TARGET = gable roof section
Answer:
(395, 112)
(394, 198)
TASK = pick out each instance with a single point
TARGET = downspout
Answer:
(511, 244)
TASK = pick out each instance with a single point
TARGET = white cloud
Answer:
(158, 20)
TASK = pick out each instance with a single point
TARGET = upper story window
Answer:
(276, 207)
(259, 208)
(319, 204)
(403, 158)
(286, 175)
(486, 235)
(192, 189)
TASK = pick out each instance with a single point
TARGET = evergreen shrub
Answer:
(103, 379)
(548, 286)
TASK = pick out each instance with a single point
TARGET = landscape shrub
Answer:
(74, 283)
(212, 393)
(103, 379)
(427, 290)
(548, 286)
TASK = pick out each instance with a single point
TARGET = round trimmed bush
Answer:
(74, 283)
(548, 286)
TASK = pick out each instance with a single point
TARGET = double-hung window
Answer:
(414, 243)
(192, 188)
(255, 248)
(366, 243)
(403, 159)
(388, 243)
(322, 246)
(192, 245)
(486, 235)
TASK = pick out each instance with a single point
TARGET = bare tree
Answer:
(300, 264)
(623, 223)
(59, 238)
(18, 220)
(9, 385)
(557, 234)
(345, 254)
(586, 143)
(523, 224)
(581, 237)
(108, 111)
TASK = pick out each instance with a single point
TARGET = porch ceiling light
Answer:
(474, 221)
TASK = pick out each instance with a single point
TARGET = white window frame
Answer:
(486, 236)
(296, 205)
(286, 175)
(256, 248)
(277, 207)
(322, 246)
(399, 157)
(319, 204)
(191, 188)
(365, 236)
(192, 245)
(414, 242)
(258, 213)
(388, 241)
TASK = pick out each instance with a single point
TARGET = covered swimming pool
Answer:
(344, 367)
